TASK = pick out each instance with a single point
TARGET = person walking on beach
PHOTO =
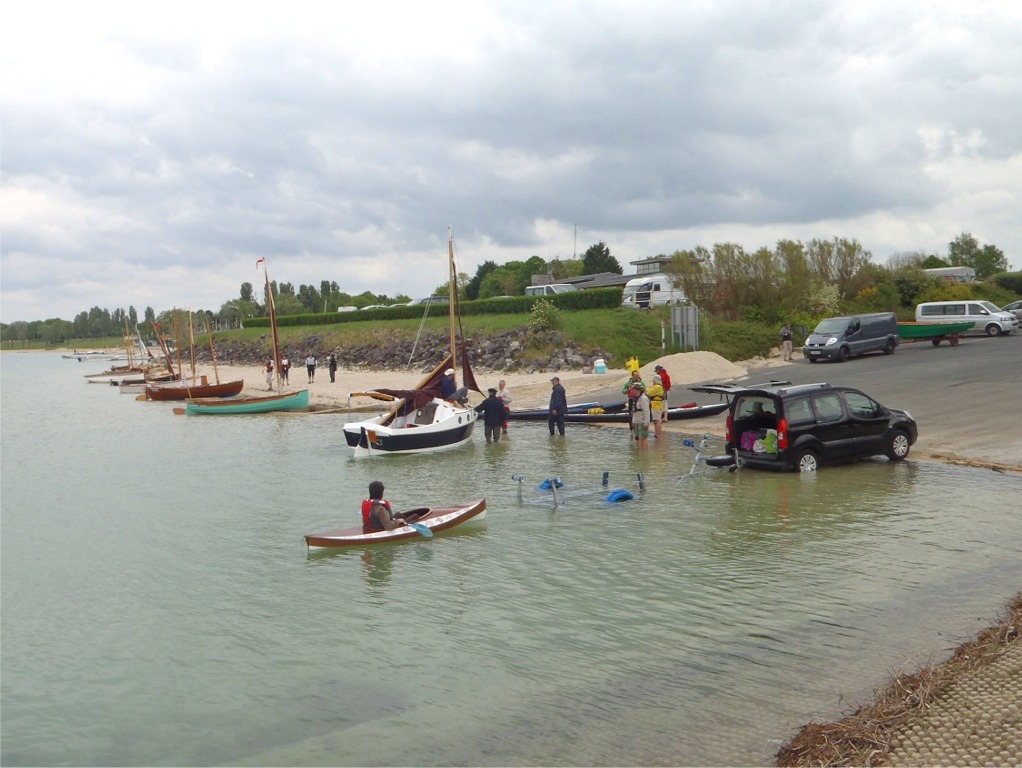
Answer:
(558, 406)
(285, 367)
(786, 342)
(492, 409)
(310, 366)
(269, 374)
(331, 363)
(641, 416)
(505, 395)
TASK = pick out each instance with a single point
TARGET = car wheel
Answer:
(889, 349)
(898, 445)
(806, 461)
(993, 329)
(842, 355)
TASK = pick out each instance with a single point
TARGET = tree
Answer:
(964, 251)
(235, 311)
(473, 285)
(907, 259)
(933, 262)
(562, 268)
(247, 293)
(597, 259)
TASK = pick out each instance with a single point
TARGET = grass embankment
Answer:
(619, 332)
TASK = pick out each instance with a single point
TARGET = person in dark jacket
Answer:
(492, 409)
(558, 406)
(449, 389)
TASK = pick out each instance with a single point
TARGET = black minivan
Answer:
(800, 427)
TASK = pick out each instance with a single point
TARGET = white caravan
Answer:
(649, 291)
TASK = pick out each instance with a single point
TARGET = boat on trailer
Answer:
(934, 332)
(436, 519)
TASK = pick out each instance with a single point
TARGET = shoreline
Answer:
(960, 711)
(531, 390)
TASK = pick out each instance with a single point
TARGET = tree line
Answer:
(798, 282)
(793, 280)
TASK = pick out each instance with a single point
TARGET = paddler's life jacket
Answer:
(369, 519)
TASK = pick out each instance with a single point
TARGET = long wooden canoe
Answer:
(437, 519)
(289, 401)
(691, 411)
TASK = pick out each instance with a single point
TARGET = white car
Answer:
(1015, 308)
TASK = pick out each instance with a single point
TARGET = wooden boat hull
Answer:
(437, 519)
(290, 401)
(915, 331)
(621, 417)
(116, 375)
(196, 392)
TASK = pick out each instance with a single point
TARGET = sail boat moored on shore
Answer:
(421, 420)
(281, 401)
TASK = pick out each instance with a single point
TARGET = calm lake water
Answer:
(159, 606)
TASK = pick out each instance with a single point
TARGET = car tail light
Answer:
(728, 424)
(782, 434)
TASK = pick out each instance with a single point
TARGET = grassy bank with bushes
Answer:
(620, 332)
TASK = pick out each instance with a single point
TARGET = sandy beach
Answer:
(528, 390)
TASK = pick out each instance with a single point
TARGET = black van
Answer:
(838, 338)
(784, 426)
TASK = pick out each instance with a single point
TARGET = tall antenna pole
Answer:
(452, 288)
(574, 245)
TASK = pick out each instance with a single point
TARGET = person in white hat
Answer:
(450, 390)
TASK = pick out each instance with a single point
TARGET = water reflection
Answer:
(377, 565)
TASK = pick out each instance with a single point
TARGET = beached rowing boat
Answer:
(231, 406)
(193, 390)
(436, 519)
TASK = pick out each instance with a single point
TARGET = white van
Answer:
(651, 291)
(549, 290)
(986, 317)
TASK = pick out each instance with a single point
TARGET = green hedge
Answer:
(594, 298)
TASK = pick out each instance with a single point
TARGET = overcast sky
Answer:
(151, 152)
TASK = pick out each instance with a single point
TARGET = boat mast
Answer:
(273, 323)
(212, 352)
(191, 341)
(452, 288)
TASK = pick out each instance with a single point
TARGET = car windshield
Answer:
(832, 325)
(989, 306)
